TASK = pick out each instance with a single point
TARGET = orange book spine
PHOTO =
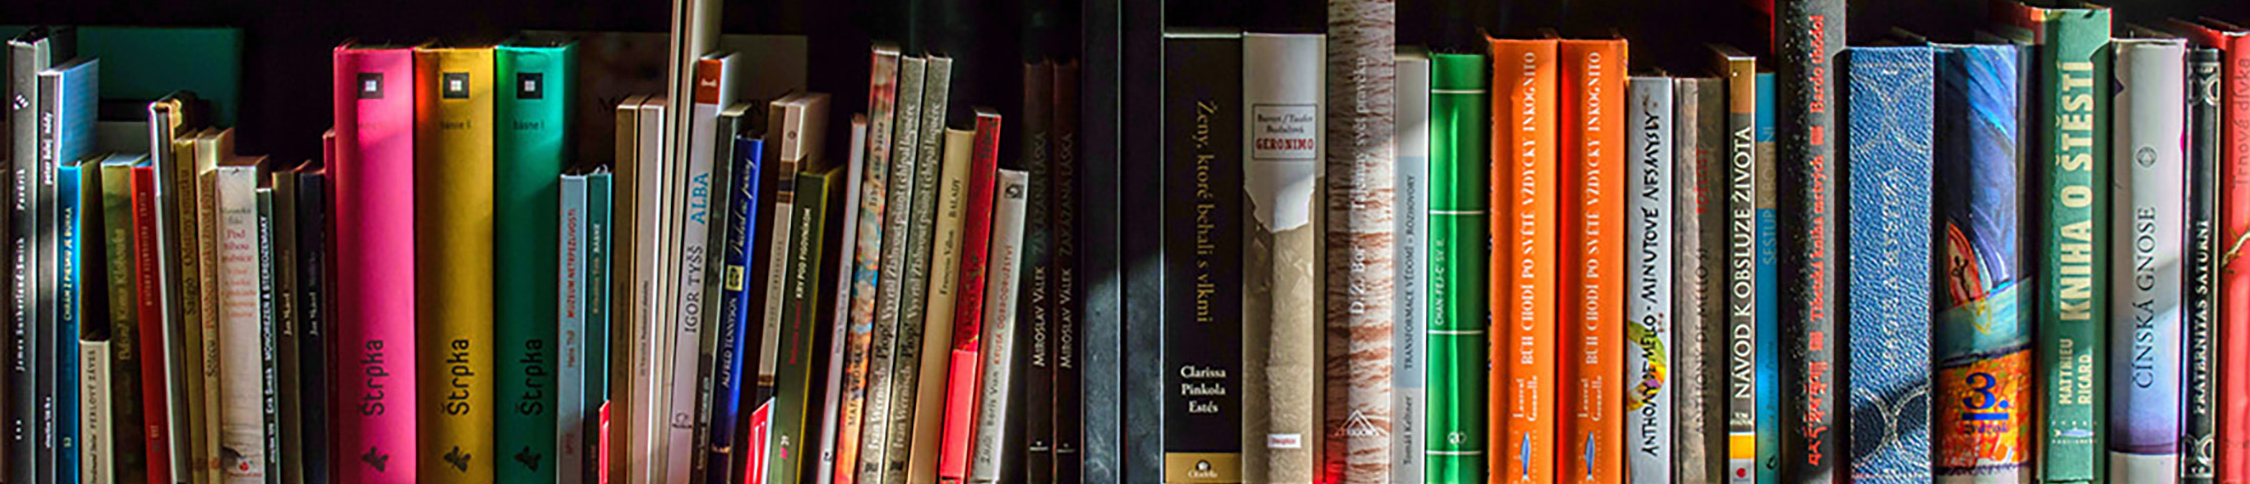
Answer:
(1524, 196)
(1593, 279)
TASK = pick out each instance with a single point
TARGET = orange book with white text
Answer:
(1592, 85)
(1524, 234)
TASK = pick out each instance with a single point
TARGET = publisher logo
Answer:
(371, 85)
(454, 85)
(1358, 425)
(530, 85)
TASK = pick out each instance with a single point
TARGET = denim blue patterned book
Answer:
(1981, 342)
(1887, 131)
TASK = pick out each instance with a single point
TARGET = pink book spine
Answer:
(601, 451)
(374, 207)
(961, 381)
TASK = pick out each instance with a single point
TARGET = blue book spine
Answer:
(734, 300)
(1769, 280)
(1981, 343)
(1886, 267)
(66, 325)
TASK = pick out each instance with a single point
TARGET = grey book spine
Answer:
(1648, 270)
(1697, 333)
(898, 222)
(2147, 183)
(1002, 275)
(1411, 214)
(906, 359)
(27, 56)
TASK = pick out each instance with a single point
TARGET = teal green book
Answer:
(1459, 129)
(598, 222)
(2070, 181)
(531, 143)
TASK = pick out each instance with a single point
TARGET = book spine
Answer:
(1696, 447)
(1410, 274)
(210, 148)
(1770, 364)
(1592, 207)
(600, 321)
(623, 272)
(269, 361)
(570, 330)
(962, 387)
(2234, 270)
(152, 331)
(1458, 315)
(1741, 302)
(530, 139)
(695, 374)
(241, 394)
(196, 303)
(776, 276)
(867, 257)
(286, 327)
(1810, 35)
(1523, 394)
(2199, 425)
(794, 415)
(1981, 343)
(126, 355)
(97, 418)
(25, 60)
(1001, 284)
(1038, 344)
(61, 144)
(2150, 95)
(315, 314)
(650, 305)
(374, 180)
(2072, 356)
(1360, 228)
(907, 359)
(1888, 128)
(453, 264)
(1649, 319)
(897, 225)
(944, 294)
(1068, 290)
(1282, 179)
(1202, 336)
(840, 324)
(734, 298)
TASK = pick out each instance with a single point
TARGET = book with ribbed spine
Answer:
(2069, 188)
(374, 92)
(1459, 101)
(1649, 320)
(1002, 278)
(1739, 71)
(1592, 81)
(1202, 311)
(530, 139)
(963, 390)
(453, 271)
(1980, 340)
(1525, 298)
(1283, 172)
(909, 380)
(1410, 218)
(897, 225)
(1884, 162)
(570, 329)
(840, 316)
(1699, 321)
(794, 414)
(946, 247)
(867, 260)
(2198, 424)
(242, 325)
(31, 52)
(2149, 211)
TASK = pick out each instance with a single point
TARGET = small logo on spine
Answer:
(376, 458)
(454, 85)
(371, 85)
(530, 85)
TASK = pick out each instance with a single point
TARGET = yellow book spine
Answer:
(453, 262)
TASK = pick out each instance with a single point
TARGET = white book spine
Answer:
(1283, 149)
(1409, 361)
(2146, 242)
(694, 234)
(242, 439)
(832, 404)
(1648, 310)
(1002, 272)
(642, 420)
(94, 417)
(570, 375)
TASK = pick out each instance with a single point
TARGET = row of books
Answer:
(1837, 264)
(448, 297)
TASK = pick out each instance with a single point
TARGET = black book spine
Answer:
(284, 261)
(1101, 133)
(313, 304)
(1810, 35)
(1069, 290)
(24, 335)
(1035, 295)
(269, 388)
(2199, 423)
(1202, 250)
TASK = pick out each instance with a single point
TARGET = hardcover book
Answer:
(1649, 319)
(1592, 246)
(1980, 339)
(453, 276)
(2199, 422)
(1809, 34)
(1357, 344)
(1283, 180)
(374, 226)
(2073, 104)
(1459, 101)
(1885, 163)
(1741, 303)
(1202, 338)
(1410, 280)
(1002, 276)
(1526, 299)
(867, 257)
(2150, 95)
(963, 390)
(531, 147)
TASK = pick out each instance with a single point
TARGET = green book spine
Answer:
(598, 222)
(1459, 121)
(530, 149)
(793, 410)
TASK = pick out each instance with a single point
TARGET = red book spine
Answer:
(961, 386)
(2234, 283)
(374, 242)
(151, 318)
